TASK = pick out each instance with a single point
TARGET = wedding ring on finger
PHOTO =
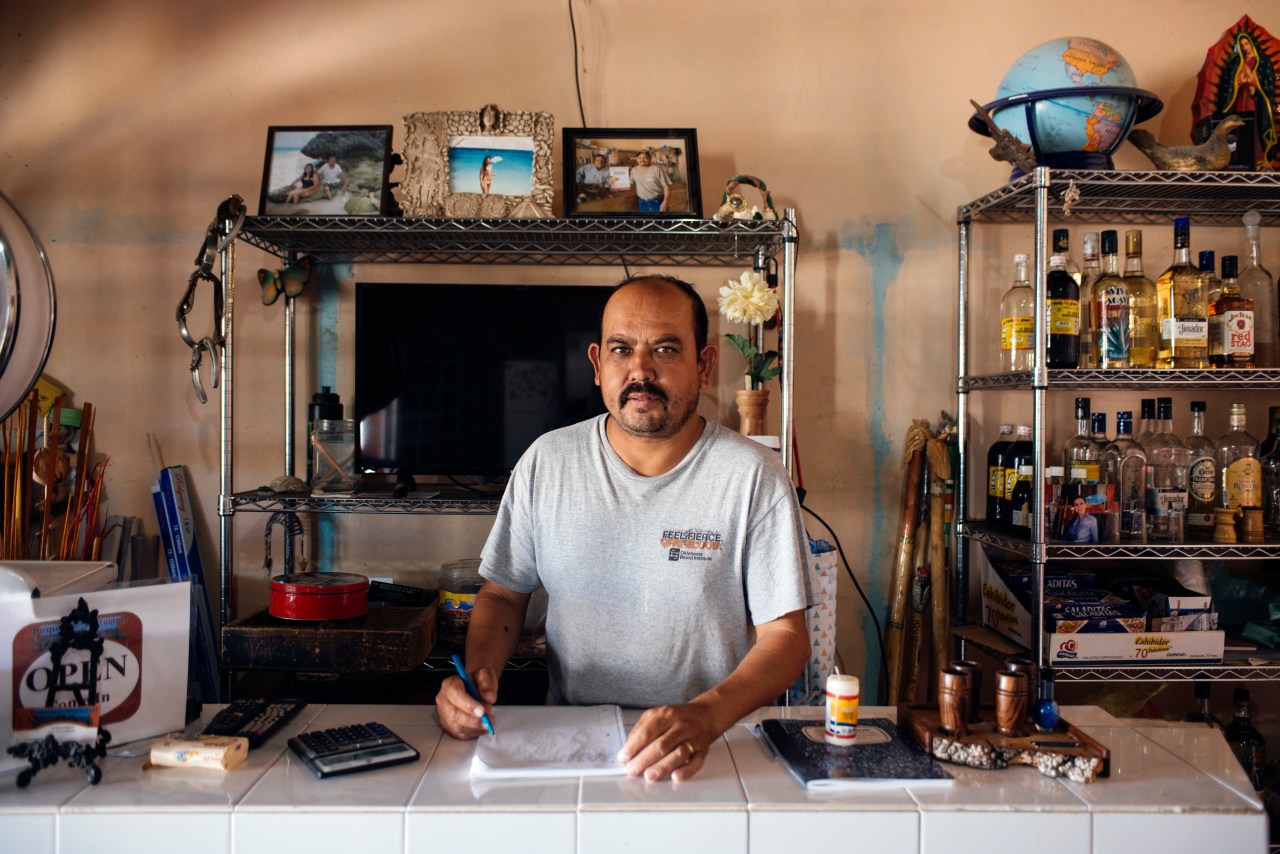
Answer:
(691, 750)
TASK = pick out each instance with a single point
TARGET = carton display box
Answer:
(1138, 648)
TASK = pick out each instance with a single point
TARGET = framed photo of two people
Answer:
(326, 171)
(634, 172)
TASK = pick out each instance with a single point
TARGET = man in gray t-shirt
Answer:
(671, 549)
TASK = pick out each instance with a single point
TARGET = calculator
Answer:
(348, 749)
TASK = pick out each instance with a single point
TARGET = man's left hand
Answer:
(669, 741)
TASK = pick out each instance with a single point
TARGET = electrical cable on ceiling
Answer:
(577, 76)
(884, 667)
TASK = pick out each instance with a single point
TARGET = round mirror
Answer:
(28, 308)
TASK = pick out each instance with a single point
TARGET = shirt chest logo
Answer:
(691, 544)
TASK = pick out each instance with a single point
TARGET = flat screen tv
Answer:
(457, 380)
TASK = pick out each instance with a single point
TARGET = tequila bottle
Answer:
(1167, 490)
(1269, 456)
(1110, 310)
(1231, 323)
(1256, 284)
(1098, 431)
(1202, 477)
(1147, 425)
(1183, 309)
(1089, 274)
(1018, 321)
(1144, 326)
(1238, 465)
(1080, 456)
(1123, 464)
(1062, 324)
(1208, 267)
(1202, 713)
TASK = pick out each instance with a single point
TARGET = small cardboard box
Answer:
(142, 671)
(1139, 648)
(1003, 610)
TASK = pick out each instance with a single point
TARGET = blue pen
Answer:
(471, 689)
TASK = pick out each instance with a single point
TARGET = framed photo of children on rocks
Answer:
(634, 172)
(326, 171)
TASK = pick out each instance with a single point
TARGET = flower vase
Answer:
(753, 411)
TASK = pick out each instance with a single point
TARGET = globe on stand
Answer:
(1073, 100)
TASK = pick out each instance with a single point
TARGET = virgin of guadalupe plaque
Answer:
(1239, 77)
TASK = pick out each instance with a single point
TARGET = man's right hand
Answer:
(459, 715)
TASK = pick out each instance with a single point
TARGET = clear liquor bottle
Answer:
(1183, 309)
(1080, 456)
(1090, 272)
(1167, 490)
(1238, 465)
(1098, 431)
(1146, 426)
(1246, 742)
(1202, 477)
(1269, 457)
(1256, 284)
(1018, 321)
(1231, 323)
(1208, 267)
(1124, 462)
(1062, 325)
(995, 474)
(1144, 325)
(1110, 310)
(1202, 711)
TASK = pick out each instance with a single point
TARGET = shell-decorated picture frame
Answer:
(486, 163)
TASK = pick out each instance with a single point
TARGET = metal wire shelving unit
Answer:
(1080, 197)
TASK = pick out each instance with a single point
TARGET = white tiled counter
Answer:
(1173, 787)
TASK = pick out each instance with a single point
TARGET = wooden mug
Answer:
(1012, 702)
(955, 693)
(975, 686)
(1250, 524)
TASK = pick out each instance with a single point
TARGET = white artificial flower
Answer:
(748, 299)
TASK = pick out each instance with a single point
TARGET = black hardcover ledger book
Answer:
(882, 758)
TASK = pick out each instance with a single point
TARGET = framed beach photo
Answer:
(635, 172)
(326, 171)
(480, 163)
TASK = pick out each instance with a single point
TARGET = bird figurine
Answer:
(1213, 153)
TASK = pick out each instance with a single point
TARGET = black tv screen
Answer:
(459, 380)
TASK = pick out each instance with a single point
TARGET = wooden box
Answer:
(386, 639)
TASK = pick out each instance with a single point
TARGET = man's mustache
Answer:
(641, 388)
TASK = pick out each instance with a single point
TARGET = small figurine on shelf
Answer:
(290, 281)
(734, 206)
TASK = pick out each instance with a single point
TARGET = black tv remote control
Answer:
(255, 719)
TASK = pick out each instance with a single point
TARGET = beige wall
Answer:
(123, 123)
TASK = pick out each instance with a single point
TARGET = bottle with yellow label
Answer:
(1062, 325)
(1018, 321)
(1238, 464)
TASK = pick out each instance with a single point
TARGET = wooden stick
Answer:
(939, 572)
(50, 477)
(913, 456)
(28, 472)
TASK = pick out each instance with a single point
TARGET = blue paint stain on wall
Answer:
(881, 252)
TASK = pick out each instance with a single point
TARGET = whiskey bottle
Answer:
(1202, 477)
(1246, 742)
(1256, 284)
(1110, 310)
(1018, 454)
(995, 474)
(1123, 464)
(1183, 309)
(1018, 321)
(1202, 712)
(1269, 457)
(1080, 456)
(1062, 324)
(1238, 465)
(1144, 325)
(1231, 323)
(1090, 272)
(1167, 490)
